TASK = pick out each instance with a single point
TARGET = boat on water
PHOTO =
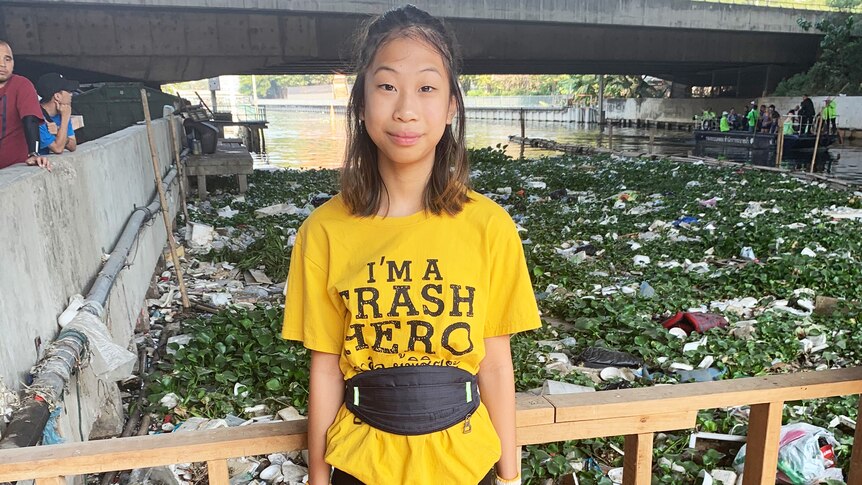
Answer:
(761, 141)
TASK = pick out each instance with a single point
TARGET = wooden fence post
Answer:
(51, 481)
(761, 451)
(855, 477)
(218, 472)
(637, 464)
(651, 140)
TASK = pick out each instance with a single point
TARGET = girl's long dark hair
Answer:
(362, 187)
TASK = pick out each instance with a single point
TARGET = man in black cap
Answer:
(56, 134)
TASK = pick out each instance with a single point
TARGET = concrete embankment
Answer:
(664, 110)
(531, 114)
(57, 227)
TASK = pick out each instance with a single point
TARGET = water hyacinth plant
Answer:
(615, 247)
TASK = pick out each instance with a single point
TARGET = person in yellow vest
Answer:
(708, 119)
(724, 125)
(830, 116)
(788, 123)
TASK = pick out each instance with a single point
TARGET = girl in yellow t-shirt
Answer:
(407, 285)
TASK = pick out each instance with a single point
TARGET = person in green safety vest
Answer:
(830, 116)
(724, 125)
(708, 119)
(752, 116)
(788, 123)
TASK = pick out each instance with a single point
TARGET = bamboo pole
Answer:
(816, 142)
(212, 115)
(523, 131)
(181, 170)
(164, 201)
(610, 136)
(651, 140)
(779, 149)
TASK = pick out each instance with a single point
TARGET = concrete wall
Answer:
(682, 110)
(552, 115)
(56, 227)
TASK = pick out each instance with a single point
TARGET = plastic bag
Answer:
(599, 358)
(695, 321)
(805, 455)
(110, 361)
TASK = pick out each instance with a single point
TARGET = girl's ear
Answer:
(453, 106)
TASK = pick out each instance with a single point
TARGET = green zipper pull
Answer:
(467, 426)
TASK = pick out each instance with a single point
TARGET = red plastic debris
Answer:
(695, 321)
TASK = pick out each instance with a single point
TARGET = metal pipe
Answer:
(102, 286)
(64, 355)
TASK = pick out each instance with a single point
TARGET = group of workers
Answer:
(35, 121)
(766, 119)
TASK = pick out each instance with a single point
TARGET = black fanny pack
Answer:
(413, 400)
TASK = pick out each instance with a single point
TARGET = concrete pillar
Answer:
(601, 99)
(767, 87)
(679, 90)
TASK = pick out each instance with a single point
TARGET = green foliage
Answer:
(631, 324)
(270, 251)
(235, 349)
(586, 85)
(822, 5)
(275, 86)
(239, 346)
(839, 68)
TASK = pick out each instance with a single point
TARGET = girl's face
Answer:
(407, 102)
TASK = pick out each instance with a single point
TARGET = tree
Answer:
(564, 84)
(839, 67)
(269, 86)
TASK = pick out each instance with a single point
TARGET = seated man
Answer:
(56, 134)
(733, 119)
(20, 116)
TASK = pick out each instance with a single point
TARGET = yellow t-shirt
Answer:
(409, 291)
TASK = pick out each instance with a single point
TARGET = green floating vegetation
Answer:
(712, 236)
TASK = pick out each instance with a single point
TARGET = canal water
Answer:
(300, 139)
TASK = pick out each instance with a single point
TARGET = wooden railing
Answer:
(633, 413)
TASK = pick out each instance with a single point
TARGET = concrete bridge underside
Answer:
(158, 41)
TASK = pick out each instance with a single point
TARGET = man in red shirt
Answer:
(20, 116)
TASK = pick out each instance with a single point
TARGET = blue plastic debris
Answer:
(700, 375)
(685, 220)
(50, 435)
(646, 290)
